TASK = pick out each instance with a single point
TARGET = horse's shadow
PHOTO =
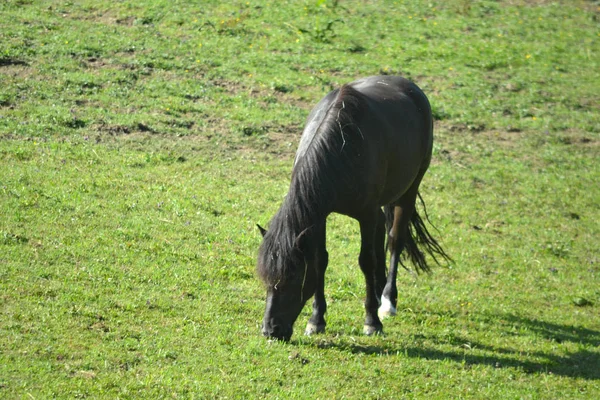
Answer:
(583, 363)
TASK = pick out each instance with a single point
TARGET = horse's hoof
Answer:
(370, 330)
(386, 309)
(312, 329)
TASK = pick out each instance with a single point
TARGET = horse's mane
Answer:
(322, 173)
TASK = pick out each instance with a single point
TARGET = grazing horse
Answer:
(365, 146)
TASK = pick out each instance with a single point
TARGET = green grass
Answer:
(141, 142)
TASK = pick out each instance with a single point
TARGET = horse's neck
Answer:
(301, 214)
(295, 225)
(309, 202)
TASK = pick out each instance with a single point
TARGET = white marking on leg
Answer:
(312, 329)
(371, 330)
(386, 309)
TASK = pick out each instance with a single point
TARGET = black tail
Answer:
(419, 239)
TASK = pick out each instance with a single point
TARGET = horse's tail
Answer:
(420, 241)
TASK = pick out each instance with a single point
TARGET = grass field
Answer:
(140, 143)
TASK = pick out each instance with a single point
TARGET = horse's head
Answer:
(289, 282)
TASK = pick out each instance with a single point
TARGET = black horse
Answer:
(365, 146)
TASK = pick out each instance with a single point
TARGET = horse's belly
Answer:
(393, 192)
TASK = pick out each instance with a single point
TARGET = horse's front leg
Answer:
(369, 266)
(316, 323)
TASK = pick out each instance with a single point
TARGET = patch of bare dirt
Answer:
(112, 129)
(479, 131)
(105, 17)
(9, 61)
(536, 3)
(282, 94)
(15, 68)
(127, 21)
(279, 141)
(578, 138)
(507, 138)
(94, 62)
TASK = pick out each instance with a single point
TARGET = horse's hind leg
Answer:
(369, 266)
(400, 214)
(316, 323)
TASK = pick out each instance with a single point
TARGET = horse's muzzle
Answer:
(277, 331)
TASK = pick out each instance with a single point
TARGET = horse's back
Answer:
(381, 131)
(400, 131)
(402, 106)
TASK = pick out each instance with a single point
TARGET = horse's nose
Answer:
(277, 331)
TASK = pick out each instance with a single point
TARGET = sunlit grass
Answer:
(140, 143)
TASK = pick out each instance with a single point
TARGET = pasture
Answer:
(141, 142)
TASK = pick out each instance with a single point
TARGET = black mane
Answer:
(325, 170)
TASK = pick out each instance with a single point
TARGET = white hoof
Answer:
(386, 309)
(312, 329)
(371, 330)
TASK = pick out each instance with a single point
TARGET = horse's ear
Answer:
(301, 239)
(262, 230)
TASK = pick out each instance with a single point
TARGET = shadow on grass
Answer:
(578, 364)
(7, 61)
